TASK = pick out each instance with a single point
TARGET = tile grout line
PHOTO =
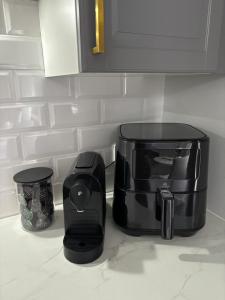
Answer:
(215, 215)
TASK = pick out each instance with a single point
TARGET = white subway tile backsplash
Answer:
(64, 166)
(9, 149)
(23, 116)
(97, 85)
(8, 203)
(43, 102)
(35, 85)
(97, 137)
(153, 109)
(58, 193)
(47, 143)
(21, 17)
(81, 112)
(122, 110)
(187, 92)
(2, 21)
(6, 178)
(20, 52)
(44, 162)
(216, 179)
(6, 89)
(144, 85)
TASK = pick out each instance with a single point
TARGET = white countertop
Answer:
(32, 265)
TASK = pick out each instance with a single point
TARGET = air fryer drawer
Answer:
(138, 212)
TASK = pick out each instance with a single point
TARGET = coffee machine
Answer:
(84, 206)
(160, 179)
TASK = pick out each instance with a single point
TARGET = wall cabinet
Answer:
(136, 36)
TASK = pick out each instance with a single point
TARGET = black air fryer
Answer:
(161, 179)
(84, 209)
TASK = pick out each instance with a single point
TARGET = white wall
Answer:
(200, 101)
(47, 122)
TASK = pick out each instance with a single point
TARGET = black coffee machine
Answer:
(84, 209)
(160, 179)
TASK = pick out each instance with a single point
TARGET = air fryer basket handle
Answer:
(167, 214)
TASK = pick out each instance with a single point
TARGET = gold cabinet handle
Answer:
(99, 27)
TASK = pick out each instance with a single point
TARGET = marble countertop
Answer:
(32, 265)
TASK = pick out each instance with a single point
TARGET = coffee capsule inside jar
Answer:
(34, 189)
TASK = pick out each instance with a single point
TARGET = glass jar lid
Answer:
(33, 175)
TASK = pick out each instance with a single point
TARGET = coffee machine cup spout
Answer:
(166, 203)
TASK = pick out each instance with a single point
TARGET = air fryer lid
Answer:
(160, 132)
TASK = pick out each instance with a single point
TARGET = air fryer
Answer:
(160, 179)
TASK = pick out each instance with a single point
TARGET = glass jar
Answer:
(35, 196)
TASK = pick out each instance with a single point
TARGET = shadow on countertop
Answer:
(127, 254)
(124, 253)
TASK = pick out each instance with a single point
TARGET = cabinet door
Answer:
(153, 35)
